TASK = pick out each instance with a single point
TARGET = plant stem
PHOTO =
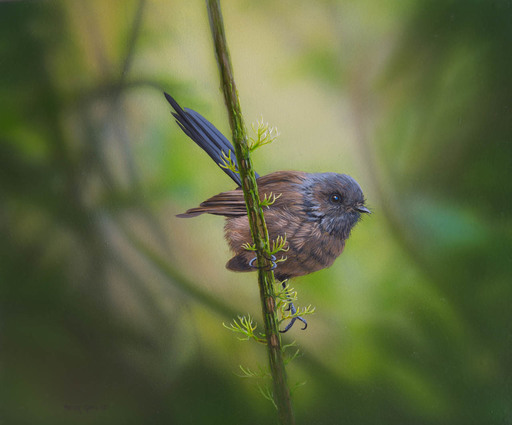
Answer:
(255, 214)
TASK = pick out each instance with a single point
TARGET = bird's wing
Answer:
(279, 185)
(229, 204)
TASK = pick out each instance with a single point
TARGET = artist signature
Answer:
(85, 408)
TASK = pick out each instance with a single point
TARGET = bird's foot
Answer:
(291, 308)
(272, 260)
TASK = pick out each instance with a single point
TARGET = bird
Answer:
(313, 213)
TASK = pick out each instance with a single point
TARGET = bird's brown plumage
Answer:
(286, 217)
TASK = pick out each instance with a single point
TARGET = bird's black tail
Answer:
(204, 133)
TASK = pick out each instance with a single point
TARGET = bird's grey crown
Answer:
(337, 220)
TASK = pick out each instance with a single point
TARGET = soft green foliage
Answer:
(248, 373)
(269, 199)
(249, 246)
(227, 162)
(266, 392)
(264, 135)
(246, 327)
(280, 244)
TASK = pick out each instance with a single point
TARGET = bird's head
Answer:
(334, 201)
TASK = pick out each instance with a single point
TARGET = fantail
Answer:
(315, 211)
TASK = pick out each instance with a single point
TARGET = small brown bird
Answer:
(314, 211)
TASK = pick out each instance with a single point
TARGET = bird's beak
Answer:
(362, 209)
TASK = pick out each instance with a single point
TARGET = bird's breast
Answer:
(309, 248)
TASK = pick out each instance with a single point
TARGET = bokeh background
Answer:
(112, 308)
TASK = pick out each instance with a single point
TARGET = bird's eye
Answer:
(335, 198)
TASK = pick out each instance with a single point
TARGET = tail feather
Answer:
(205, 135)
(208, 127)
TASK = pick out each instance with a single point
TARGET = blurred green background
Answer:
(112, 308)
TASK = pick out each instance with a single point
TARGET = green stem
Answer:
(255, 214)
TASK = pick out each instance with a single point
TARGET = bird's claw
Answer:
(272, 260)
(291, 308)
(289, 326)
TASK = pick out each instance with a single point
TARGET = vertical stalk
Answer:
(255, 213)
